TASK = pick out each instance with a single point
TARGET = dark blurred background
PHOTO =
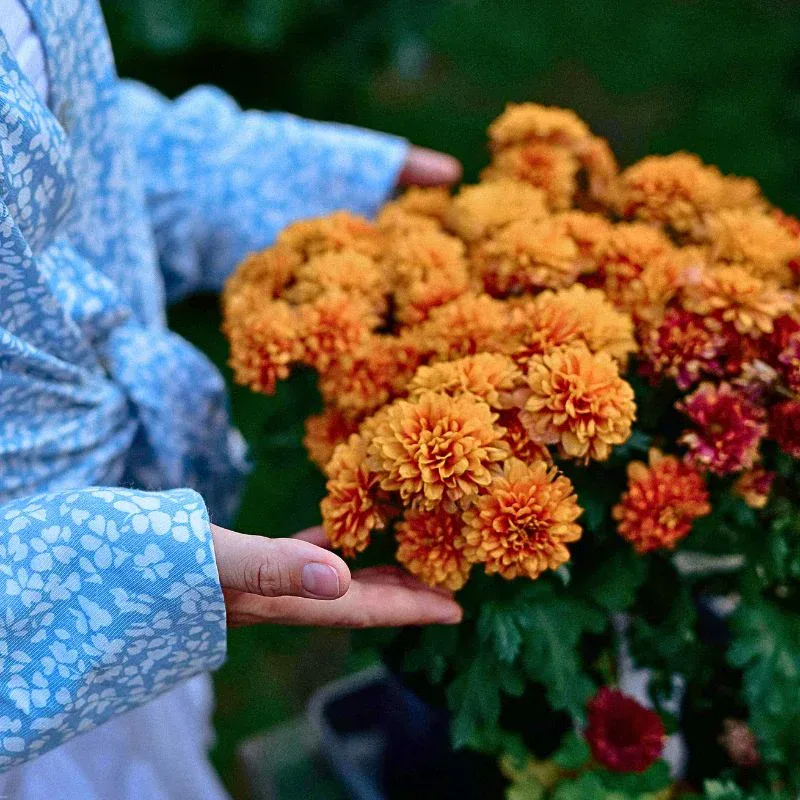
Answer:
(720, 79)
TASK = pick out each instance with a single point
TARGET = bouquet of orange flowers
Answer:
(564, 369)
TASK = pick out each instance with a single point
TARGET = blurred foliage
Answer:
(720, 79)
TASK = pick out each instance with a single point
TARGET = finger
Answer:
(426, 167)
(278, 567)
(369, 603)
(315, 535)
(388, 574)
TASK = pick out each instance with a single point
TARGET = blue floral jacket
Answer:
(113, 201)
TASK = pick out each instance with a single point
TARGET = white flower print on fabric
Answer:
(111, 200)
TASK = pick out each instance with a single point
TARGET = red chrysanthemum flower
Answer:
(728, 428)
(623, 735)
(682, 348)
(784, 426)
(661, 503)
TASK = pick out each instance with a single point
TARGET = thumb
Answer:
(278, 567)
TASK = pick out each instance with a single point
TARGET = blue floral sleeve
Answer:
(108, 597)
(221, 182)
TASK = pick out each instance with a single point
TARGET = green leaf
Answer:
(766, 646)
(499, 627)
(587, 787)
(652, 780)
(573, 753)
(553, 625)
(612, 581)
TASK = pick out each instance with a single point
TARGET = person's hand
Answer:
(298, 582)
(426, 167)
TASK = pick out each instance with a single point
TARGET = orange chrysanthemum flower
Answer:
(679, 190)
(754, 486)
(324, 432)
(732, 295)
(629, 249)
(523, 522)
(436, 449)
(334, 233)
(345, 271)
(492, 377)
(264, 347)
(529, 139)
(477, 211)
(755, 240)
(579, 402)
(589, 231)
(363, 379)
(427, 548)
(551, 168)
(525, 122)
(260, 278)
(573, 315)
(524, 256)
(428, 268)
(416, 210)
(333, 326)
(467, 325)
(661, 502)
(354, 505)
(518, 439)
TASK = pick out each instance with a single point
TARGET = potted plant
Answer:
(568, 393)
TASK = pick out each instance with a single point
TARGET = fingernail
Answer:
(321, 580)
(453, 618)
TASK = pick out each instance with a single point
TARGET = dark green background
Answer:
(719, 78)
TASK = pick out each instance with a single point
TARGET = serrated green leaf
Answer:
(499, 628)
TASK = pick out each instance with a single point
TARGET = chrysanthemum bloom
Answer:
(623, 735)
(427, 548)
(354, 505)
(492, 377)
(678, 191)
(467, 325)
(682, 348)
(589, 231)
(264, 347)
(784, 426)
(361, 380)
(727, 430)
(523, 522)
(628, 250)
(661, 502)
(525, 122)
(338, 231)
(732, 295)
(647, 296)
(436, 449)
(519, 441)
(740, 743)
(324, 432)
(428, 269)
(525, 256)
(426, 201)
(261, 277)
(526, 127)
(394, 219)
(346, 271)
(551, 168)
(754, 486)
(334, 325)
(478, 210)
(572, 315)
(754, 239)
(579, 402)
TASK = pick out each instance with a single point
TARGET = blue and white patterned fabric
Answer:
(113, 199)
